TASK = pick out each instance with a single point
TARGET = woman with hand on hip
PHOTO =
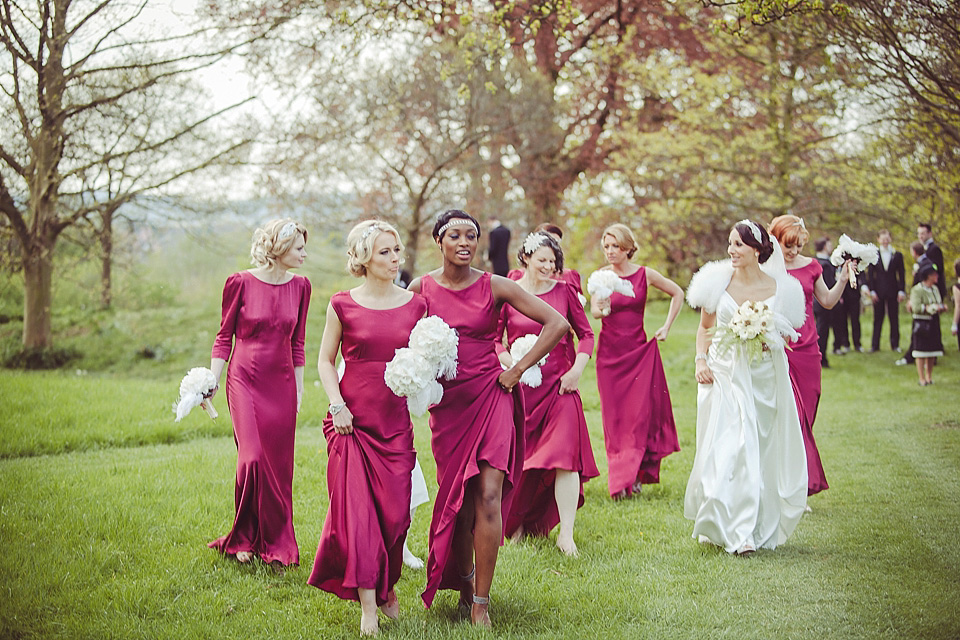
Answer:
(477, 427)
(748, 486)
(262, 334)
(638, 426)
(804, 355)
(368, 429)
(558, 458)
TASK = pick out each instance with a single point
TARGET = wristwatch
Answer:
(337, 408)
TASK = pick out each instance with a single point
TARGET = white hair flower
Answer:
(533, 242)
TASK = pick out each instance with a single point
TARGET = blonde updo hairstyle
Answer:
(268, 246)
(360, 244)
(624, 237)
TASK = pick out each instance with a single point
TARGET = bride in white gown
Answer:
(748, 487)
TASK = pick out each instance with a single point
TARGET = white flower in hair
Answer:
(603, 283)
(438, 343)
(533, 242)
(195, 390)
(532, 377)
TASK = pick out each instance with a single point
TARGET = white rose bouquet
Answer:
(603, 283)
(532, 377)
(413, 371)
(861, 256)
(754, 326)
(196, 388)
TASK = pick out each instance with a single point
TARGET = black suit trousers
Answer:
(889, 307)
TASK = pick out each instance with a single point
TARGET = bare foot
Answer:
(243, 557)
(391, 608)
(567, 546)
(517, 535)
(480, 612)
(620, 495)
(369, 625)
(637, 487)
(410, 559)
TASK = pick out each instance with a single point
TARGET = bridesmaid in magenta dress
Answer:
(368, 429)
(638, 426)
(804, 355)
(570, 276)
(558, 458)
(477, 436)
(265, 313)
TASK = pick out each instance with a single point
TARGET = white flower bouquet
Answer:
(755, 326)
(438, 343)
(603, 283)
(196, 388)
(532, 377)
(413, 371)
(861, 255)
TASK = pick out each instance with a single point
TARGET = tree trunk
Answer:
(106, 258)
(38, 294)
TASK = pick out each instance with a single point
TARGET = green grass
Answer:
(106, 504)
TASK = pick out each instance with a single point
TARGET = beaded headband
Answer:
(287, 230)
(455, 222)
(366, 232)
(533, 242)
(754, 229)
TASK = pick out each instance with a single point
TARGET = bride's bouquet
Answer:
(196, 388)
(532, 377)
(413, 371)
(603, 283)
(860, 255)
(753, 325)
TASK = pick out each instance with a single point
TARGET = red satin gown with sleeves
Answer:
(268, 323)
(368, 471)
(638, 426)
(555, 429)
(476, 420)
(804, 359)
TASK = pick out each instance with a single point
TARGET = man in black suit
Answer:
(826, 318)
(887, 285)
(932, 251)
(499, 251)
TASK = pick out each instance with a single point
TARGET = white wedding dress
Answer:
(748, 487)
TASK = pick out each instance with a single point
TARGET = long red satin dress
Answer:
(268, 324)
(476, 420)
(804, 359)
(368, 471)
(638, 426)
(555, 429)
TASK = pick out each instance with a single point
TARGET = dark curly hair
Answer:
(764, 247)
(546, 241)
(450, 214)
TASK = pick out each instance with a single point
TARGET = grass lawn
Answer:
(106, 506)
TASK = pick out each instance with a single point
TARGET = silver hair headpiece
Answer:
(366, 232)
(457, 221)
(287, 230)
(800, 223)
(533, 242)
(754, 229)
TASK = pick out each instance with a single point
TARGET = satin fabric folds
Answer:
(476, 420)
(268, 323)
(368, 471)
(748, 486)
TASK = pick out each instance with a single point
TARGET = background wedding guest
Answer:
(638, 425)
(826, 319)
(927, 305)
(748, 486)
(262, 334)
(955, 290)
(804, 354)
(848, 312)
(933, 252)
(887, 286)
(498, 252)
(920, 259)
(368, 429)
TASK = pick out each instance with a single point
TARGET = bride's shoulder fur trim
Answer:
(790, 300)
(708, 284)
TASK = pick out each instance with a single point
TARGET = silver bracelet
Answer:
(337, 408)
(700, 356)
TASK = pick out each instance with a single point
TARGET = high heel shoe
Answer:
(480, 611)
